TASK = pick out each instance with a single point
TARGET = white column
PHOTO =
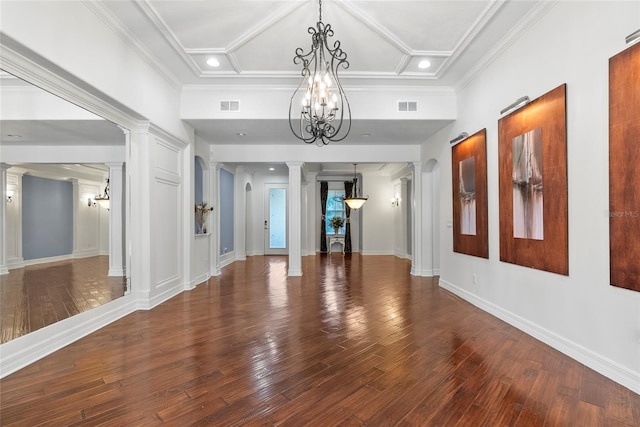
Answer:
(75, 214)
(240, 215)
(3, 219)
(295, 193)
(13, 219)
(116, 217)
(416, 219)
(214, 242)
(402, 211)
(312, 201)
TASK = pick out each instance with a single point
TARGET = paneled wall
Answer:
(166, 232)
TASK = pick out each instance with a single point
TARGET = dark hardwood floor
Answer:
(36, 296)
(355, 341)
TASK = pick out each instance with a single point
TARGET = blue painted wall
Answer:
(226, 211)
(47, 217)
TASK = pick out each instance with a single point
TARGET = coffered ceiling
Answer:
(255, 41)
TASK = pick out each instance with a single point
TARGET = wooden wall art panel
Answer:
(470, 205)
(532, 153)
(624, 168)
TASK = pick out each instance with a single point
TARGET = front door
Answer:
(275, 222)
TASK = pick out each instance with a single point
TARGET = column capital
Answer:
(294, 165)
(114, 165)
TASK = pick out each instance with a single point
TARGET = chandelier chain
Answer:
(320, 9)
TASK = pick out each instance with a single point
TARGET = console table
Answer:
(334, 239)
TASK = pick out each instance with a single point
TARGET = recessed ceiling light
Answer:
(10, 135)
(272, 169)
(365, 135)
(424, 64)
(241, 134)
(213, 62)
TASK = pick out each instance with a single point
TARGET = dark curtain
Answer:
(348, 187)
(324, 191)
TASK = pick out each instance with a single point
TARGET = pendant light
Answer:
(353, 201)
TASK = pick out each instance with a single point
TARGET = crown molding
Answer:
(31, 67)
(479, 24)
(536, 13)
(108, 17)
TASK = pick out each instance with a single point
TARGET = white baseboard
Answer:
(376, 253)
(607, 367)
(196, 281)
(37, 261)
(87, 253)
(117, 272)
(24, 350)
(227, 258)
(15, 262)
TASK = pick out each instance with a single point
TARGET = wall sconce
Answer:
(9, 196)
(459, 138)
(634, 37)
(521, 102)
(395, 201)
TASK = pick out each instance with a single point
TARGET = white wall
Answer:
(377, 216)
(581, 315)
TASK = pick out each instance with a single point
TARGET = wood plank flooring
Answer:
(36, 296)
(355, 341)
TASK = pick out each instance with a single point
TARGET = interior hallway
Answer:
(356, 340)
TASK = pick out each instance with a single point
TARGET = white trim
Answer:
(85, 253)
(197, 280)
(228, 258)
(536, 12)
(13, 263)
(37, 261)
(593, 360)
(376, 253)
(24, 350)
(116, 272)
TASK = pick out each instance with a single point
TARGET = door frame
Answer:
(267, 222)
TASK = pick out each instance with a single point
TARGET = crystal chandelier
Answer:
(325, 115)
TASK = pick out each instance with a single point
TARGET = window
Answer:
(335, 207)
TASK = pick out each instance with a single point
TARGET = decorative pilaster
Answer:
(295, 193)
(3, 219)
(416, 220)
(116, 219)
(402, 211)
(214, 242)
(241, 215)
(312, 200)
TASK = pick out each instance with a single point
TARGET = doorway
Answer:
(276, 221)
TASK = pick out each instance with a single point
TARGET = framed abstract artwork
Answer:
(470, 206)
(532, 152)
(624, 173)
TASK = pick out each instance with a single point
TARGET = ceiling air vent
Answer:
(229, 105)
(407, 106)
